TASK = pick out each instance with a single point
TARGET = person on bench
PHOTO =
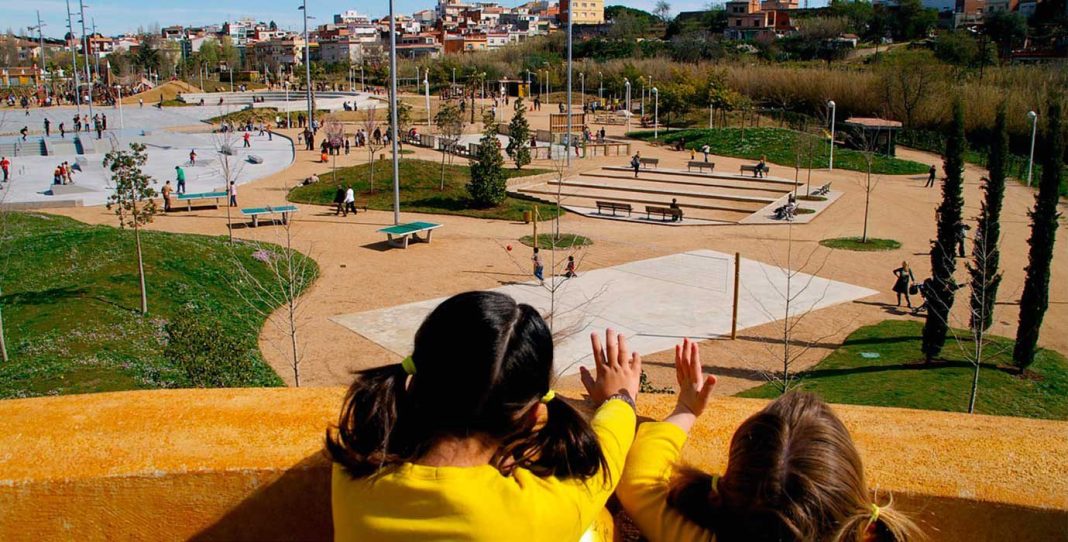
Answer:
(675, 207)
(761, 166)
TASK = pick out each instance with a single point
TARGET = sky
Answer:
(118, 16)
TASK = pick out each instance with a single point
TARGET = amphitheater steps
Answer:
(666, 186)
(667, 178)
(694, 207)
(768, 180)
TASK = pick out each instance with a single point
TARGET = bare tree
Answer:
(374, 144)
(229, 167)
(869, 183)
(289, 273)
(450, 124)
(908, 83)
(335, 137)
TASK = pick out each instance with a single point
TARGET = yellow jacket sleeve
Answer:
(613, 424)
(643, 490)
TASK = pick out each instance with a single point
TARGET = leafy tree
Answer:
(912, 20)
(909, 81)
(1044, 217)
(662, 10)
(450, 124)
(519, 136)
(404, 118)
(1005, 28)
(943, 254)
(675, 100)
(958, 48)
(488, 186)
(986, 256)
(133, 199)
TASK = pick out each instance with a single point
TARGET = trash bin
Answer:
(527, 217)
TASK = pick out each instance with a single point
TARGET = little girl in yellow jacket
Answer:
(465, 439)
(792, 474)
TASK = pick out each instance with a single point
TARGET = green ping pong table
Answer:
(201, 196)
(257, 212)
(398, 235)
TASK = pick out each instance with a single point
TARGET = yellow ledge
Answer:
(247, 464)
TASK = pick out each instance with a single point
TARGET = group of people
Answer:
(467, 439)
(570, 269)
(63, 174)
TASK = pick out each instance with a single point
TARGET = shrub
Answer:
(209, 356)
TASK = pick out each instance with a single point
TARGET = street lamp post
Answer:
(600, 87)
(642, 79)
(393, 111)
(656, 113)
(833, 106)
(582, 88)
(626, 83)
(288, 123)
(426, 88)
(1031, 160)
(307, 66)
(122, 123)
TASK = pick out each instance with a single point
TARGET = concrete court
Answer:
(654, 303)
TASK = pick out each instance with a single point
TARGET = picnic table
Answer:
(257, 212)
(201, 196)
(403, 232)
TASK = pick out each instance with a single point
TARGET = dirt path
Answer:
(359, 273)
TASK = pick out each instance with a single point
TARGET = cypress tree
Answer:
(985, 253)
(943, 254)
(519, 136)
(1035, 298)
(488, 186)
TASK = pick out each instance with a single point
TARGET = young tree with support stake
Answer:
(519, 136)
(1044, 217)
(450, 124)
(985, 275)
(943, 257)
(133, 199)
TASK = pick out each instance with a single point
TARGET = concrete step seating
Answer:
(588, 205)
(669, 182)
(693, 206)
(665, 191)
(715, 175)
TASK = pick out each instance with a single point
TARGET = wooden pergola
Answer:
(874, 133)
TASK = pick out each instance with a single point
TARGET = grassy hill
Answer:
(71, 298)
(881, 365)
(420, 190)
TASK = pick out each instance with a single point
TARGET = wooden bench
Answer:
(257, 212)
(664, 212)
(823, 190)
(756, 169)
(613, 206)
(398, 235)
(654, 162)
(700, 165)
(200, 197)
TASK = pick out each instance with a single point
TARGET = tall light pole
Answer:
(600, 88)
(570, 135)
(426, 88)
(289, 124)
(582, 88)
(363, 82)
(307, 65)
(122, 123)
(656, 113)
(454, 78)
(642, 79)
(626, 83)
(833, 106)
(548, 83)
(40, 37)
(88, 74)
(393, 111)
(74, 60)
(1031, 160)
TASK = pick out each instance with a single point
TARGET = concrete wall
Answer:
(246, 465)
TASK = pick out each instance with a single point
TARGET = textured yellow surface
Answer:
(246, 464)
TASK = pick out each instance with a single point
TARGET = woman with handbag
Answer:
(904, 283)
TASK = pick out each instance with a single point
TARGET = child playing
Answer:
(569, 272)
(792, 474)
(465, 440)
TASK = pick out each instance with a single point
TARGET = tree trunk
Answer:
(3, 344)
(975, 378)
(443, 153)
(867, 204)
(141, 270)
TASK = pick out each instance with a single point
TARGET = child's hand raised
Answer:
(695, 389)
(618, 370)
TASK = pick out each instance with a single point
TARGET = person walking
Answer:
(961, 234)
(5, 165)
(903, 283)
(350, 201)
(233, 194)
(24, 131)
(705, 150)
(192, 157)
(339, 200)
(62, 130)
(246, 140)
(47, 127)
(269, 133)
(569, 272)
(179, 174)
(930, 177)
(539, 269)
(140, 103)
(636, 162)
(104, 121)
(166, 191)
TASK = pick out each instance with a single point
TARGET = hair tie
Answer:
(715, 483)
(409, 365)
(874, 514)
(549, 396)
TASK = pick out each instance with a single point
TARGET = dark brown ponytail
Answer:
(366, 434)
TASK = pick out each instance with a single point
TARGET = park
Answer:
(213, 259)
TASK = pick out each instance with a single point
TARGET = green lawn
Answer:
(898, 377)
(71, 306)
(420, 183)
(565, 241)
(778, 145)
(854, 243)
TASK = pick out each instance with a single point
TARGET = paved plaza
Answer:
(653, 302)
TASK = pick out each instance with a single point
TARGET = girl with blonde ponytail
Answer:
(792, 473)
